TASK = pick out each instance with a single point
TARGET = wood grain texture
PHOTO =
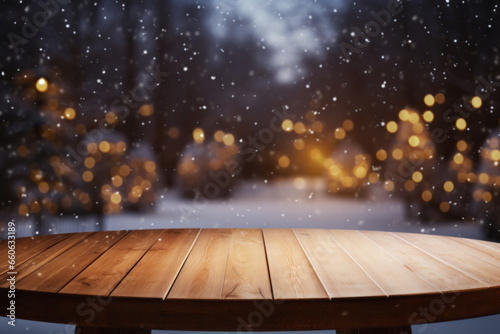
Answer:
(233, 315)
(54, 275)
(292, 275)
(341, 275)
(28, 247)
(375, 280)
(492, 245)
(441, 276)
(456, 256)
(392, 276)
(202, 275)
(154, 274)
(480, 250)
(247, 276)
(35, 262)
(104, 274)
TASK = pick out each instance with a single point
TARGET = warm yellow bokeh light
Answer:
(317, 126)
(198, 135)
(458, 158)
(426, 195)
(374, 177)
(104, 146)
(389, 185)
(414, 141)
(111, 117)
(43, 187)
(42, 85)
(392, 127)
(418, 128)
(89, 162)
(299, 128)
(340, 133)
(484, 178)
(409, 185)
(116, 198)
(404, 115)
(228, 139)
(417, 176)
(87, 176)
(444, 207)
(23, 210)
(397, 154)
(287, 125)
(495, 155)
(461, 124)
(69, 113)
(429, 100)
(414, 118)
(284, 161)
(150, 166)
(146, 110)
(219, 136)
(448, 186)
(381, 154)
(348, 125)
(299, 144)
(136, 191)
(428, 116)
(117, 181)
(487, 197)
(440, 98)
(360, 172)
(476, 102)
(461, 145)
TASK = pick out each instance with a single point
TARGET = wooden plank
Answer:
(441, 276)
(292, 275)
(154, 274)
(104, 274)
(202, 275)
(456, 256)
(246, 276)
(393, 277)
(28, 247)
(341, 275)
(54, 275)
(481, 249)
(27, 267)
(489, 244)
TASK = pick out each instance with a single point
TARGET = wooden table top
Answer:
(221, 279)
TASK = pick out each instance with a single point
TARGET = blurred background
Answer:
(379, 115)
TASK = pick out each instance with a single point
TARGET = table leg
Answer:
(390, 330)
(101, 330)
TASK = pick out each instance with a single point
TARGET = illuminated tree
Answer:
(209, 169)
(411, 162)
(486, 191)
(37, 128)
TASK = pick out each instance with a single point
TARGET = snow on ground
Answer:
(258, 204)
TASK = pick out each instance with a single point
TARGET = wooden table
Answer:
(252, 279)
